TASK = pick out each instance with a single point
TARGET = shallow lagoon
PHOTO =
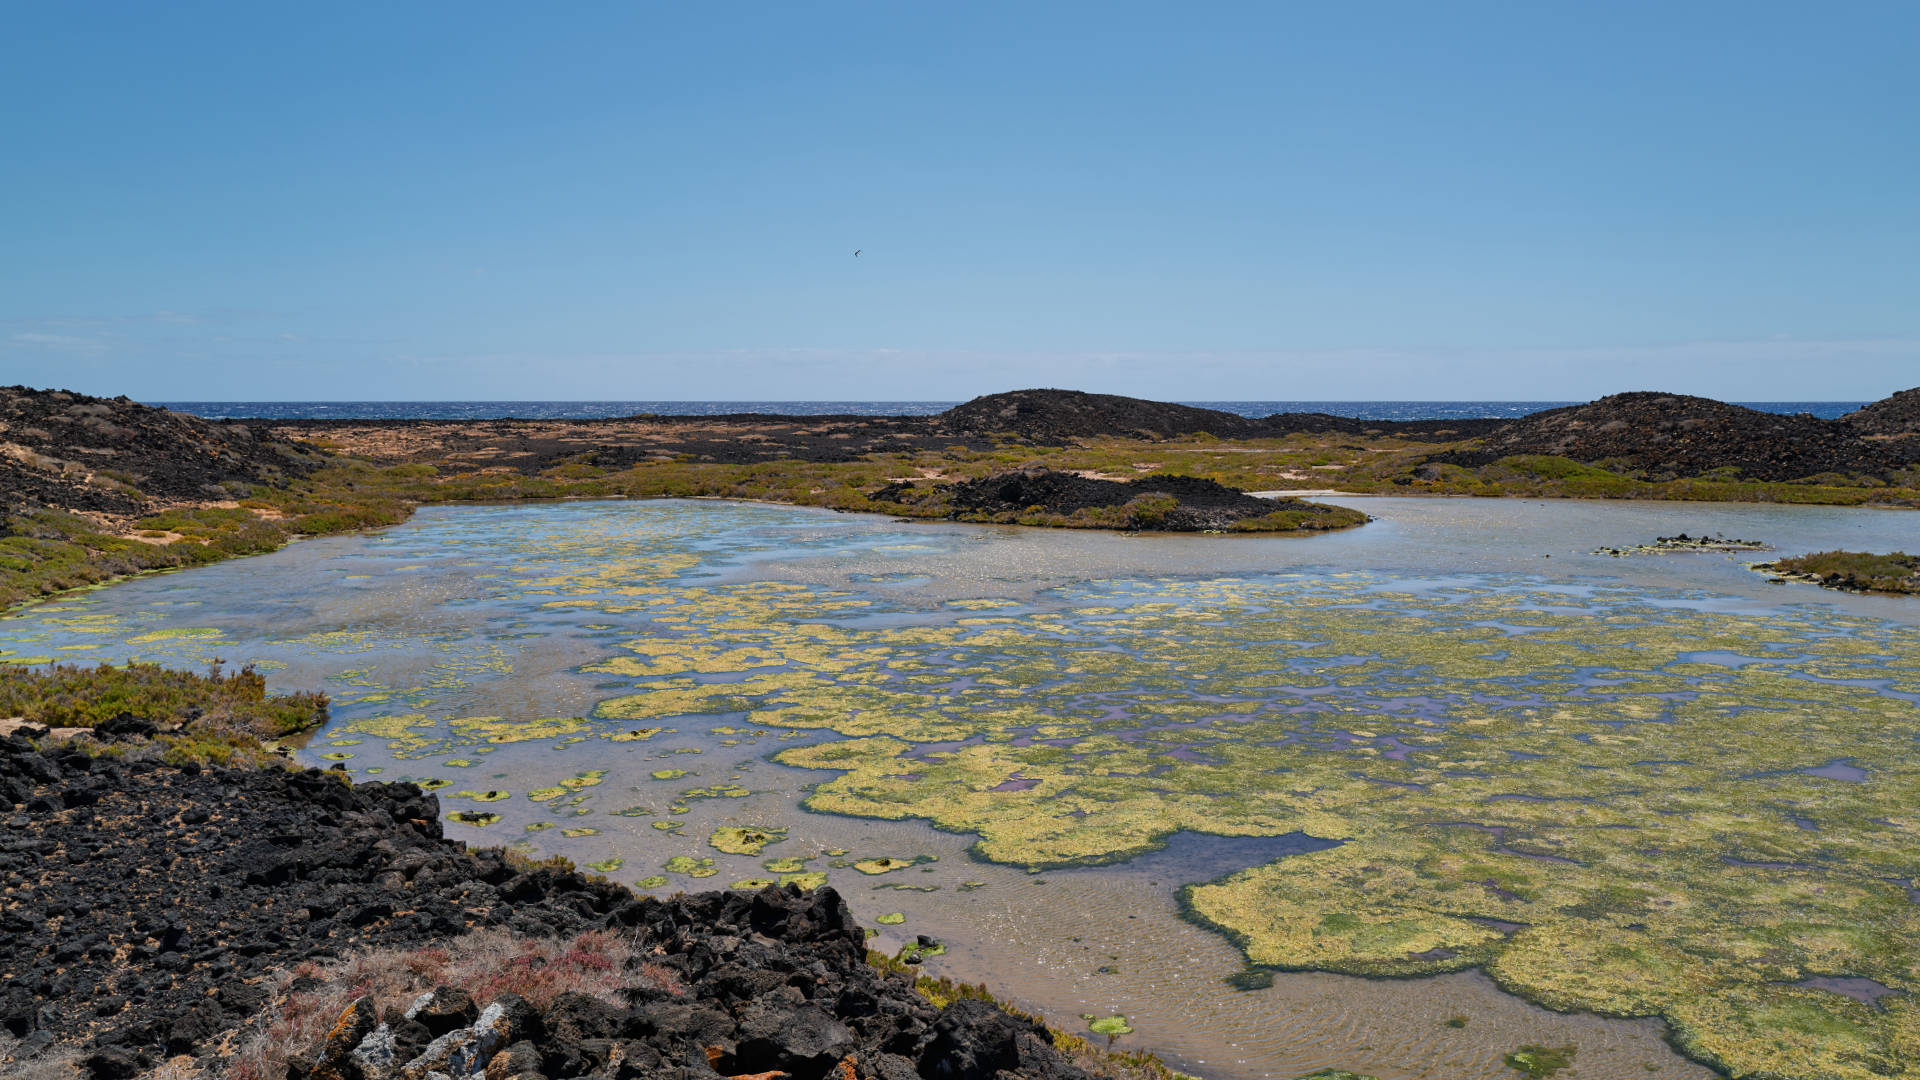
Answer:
(1072, 697)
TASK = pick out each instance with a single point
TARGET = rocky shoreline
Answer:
(162, 916)
(1893, 574)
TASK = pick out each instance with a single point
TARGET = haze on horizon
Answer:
(1245, 201)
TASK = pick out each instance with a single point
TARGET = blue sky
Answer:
(1218, 201)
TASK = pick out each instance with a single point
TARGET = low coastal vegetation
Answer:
(1854, 571)
(50, 550)
(180, 715)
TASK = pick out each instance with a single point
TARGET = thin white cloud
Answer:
(67, 343)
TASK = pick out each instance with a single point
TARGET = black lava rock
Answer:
(161, 897)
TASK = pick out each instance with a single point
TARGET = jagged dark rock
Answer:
(142, 920)
(1063, 493)
(1893, 416)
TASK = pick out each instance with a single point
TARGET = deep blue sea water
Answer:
(588, 410)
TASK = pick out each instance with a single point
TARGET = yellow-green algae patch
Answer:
(691, 866)
(1109, 1025)
(885, 864)
(495, 729)
(1574, 788)
(415, 734)
(178, 633)
(745, 840)
(716, 791)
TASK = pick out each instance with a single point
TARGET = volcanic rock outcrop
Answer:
(72, 451)
(148, 907)
(1897, 415)
(1162, 502)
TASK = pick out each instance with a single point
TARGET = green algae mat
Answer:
(1626, 804)
(1632, 801)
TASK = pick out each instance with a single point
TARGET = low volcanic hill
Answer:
(1053, 415)
(1057, 416)
(73, 451)
(1663, 436)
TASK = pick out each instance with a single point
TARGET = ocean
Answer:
(593, 410)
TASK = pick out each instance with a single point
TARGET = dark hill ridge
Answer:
(72, 451)
(1657, 436)
(1665, 436)
(1065, 415)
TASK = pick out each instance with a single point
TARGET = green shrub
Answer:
(1897, 572)
(221, 705)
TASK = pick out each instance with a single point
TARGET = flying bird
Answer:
(857, 251)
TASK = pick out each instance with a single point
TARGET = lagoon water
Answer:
(521, 655)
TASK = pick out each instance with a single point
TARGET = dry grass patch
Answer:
(309, 999)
